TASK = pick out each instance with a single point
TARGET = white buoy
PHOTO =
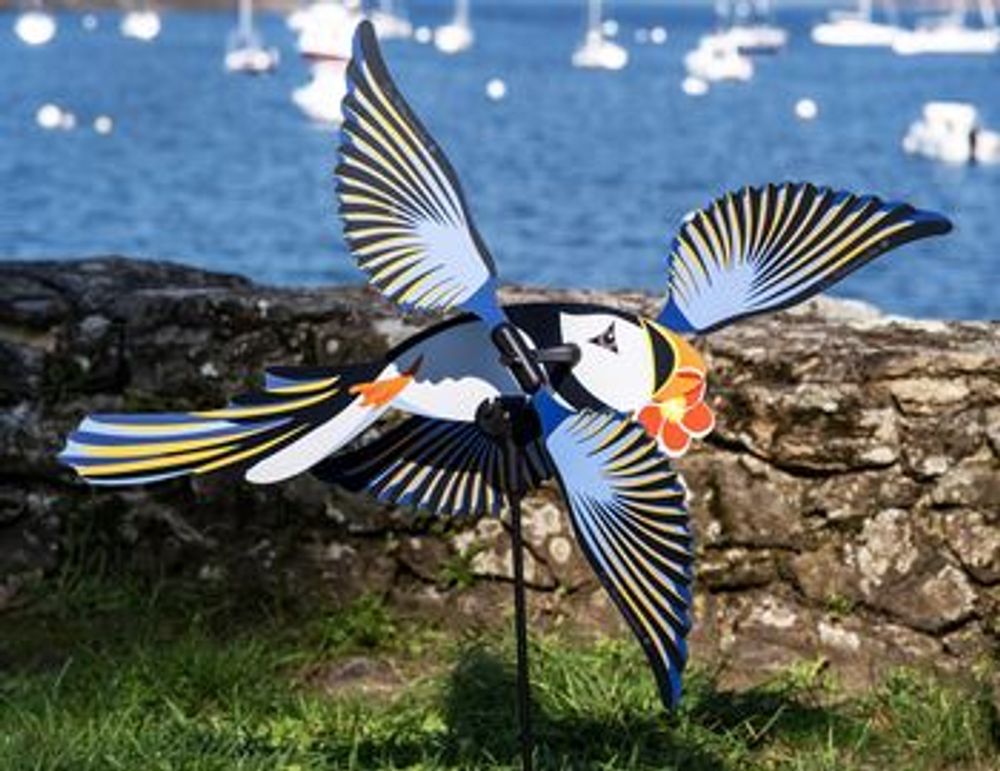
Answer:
(103, 124)
(806, 109)
(67, 122)
(88, 22)
(35, 28)
(423, 35)
(693, 86)
(49, 116)
(496, 89)
(658, 35)
(609, 27)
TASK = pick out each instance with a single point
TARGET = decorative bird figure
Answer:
(614, 396)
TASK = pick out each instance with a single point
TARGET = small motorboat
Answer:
(597, 51)
(751, 28)
(717, 58)
(252, 58)
(245, 51)
(757, 38)
(951, 132)
(457, 35)
(855, 29)
(35, 27)
(951, 34)
(141, 24)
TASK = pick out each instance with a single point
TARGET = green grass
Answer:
(98, 676)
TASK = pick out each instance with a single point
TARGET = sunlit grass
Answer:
(130, 677)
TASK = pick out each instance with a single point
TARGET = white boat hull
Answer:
(716, 59)
(757, 38)
(320, 98)
(947, 40)
(599, 53)
(950, 132)
(855, 33)
(453, 38)
(253, 60)
(326, 29)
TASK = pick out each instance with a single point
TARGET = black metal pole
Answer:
(498, 418)
(514, 494)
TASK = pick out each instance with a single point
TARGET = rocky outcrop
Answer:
(847, 508)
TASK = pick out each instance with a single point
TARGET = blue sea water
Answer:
(575, 179)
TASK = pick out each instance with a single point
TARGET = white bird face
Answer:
(616, 366)
(630, 364)
(639, 367)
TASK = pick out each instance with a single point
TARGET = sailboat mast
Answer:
(594, 15)
(462, 13)
(988, 13)
(245, 18)
(865, 9)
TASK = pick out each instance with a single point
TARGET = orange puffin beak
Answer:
(677, 411)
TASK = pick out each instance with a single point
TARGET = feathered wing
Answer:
(627, 507)
(444, 467)
(762, 249)
(274, 430)
(404, 214)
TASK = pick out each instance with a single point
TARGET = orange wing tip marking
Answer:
(379, 393)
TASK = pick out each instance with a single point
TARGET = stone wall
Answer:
(847, 508)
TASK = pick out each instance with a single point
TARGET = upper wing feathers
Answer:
(405, 217)
(762, 249)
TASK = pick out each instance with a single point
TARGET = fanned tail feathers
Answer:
(124, 449)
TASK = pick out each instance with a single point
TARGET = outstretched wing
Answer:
(405, 217)
(627, 507)
(762, 249)
(444, 467)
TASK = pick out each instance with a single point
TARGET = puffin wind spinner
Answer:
(611, 396)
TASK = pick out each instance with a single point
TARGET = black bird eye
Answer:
(607, 339)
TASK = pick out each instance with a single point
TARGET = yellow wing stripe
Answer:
(152, 464)
(307, 387)
(248, 453)
(161, 448)
(230, 413)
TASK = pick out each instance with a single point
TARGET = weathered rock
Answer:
(846, 511)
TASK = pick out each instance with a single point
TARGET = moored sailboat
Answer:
(951, 33)
(245, 51)
(855, 29)
(457, 35)
(597, 51)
